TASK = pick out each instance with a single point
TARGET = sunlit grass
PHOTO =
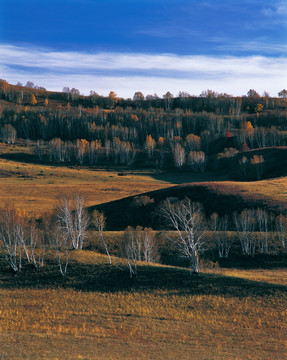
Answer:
(166, 313)
(97, 312)
(37, 188)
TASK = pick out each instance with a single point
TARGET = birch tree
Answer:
(244, 223)
(99, 222)
(74, 223)
(281, 229)
(262, 218)
(130, 251)
(219, 227)
(19, 239)
(8, 134)
(187, 219)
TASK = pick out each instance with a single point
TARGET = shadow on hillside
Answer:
(172, 176)
(113, 278)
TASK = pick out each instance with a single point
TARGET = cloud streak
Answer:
(130, 72)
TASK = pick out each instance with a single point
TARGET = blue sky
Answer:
(153, 46)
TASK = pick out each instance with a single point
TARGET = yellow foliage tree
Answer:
(33, 100)
(149, 145)
(161, 140)
(248, 127)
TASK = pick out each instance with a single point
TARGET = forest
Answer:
(184, 132)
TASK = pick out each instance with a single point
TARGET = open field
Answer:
(97, 312)
(37, 187)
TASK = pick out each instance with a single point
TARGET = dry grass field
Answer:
(37, 187)
(97, 312)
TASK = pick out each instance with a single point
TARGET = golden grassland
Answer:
(273, 192)
(97, 312)
(37, 187)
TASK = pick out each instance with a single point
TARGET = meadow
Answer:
(98, 312)
(37, 187)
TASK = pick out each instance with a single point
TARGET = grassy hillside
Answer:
(37, 187)
(274, 165)
(97, 312)
(221, 197)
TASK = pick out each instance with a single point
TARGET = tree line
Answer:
(154, 138)
(188, 232)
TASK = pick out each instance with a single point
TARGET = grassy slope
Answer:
(221, 197)
(97, 312)
(37, 188)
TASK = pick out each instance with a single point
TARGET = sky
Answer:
(152, 46)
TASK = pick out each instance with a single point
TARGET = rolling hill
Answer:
(221, 197)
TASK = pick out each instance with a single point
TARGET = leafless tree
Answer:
(99, 221)
(10, 241)
(262, 219)
(244, 223)
(8, 134)
(281, 228)
(19, 238)
(60, 242)
(139, 245)
(130, 251)
(223, 242)
(74, 223)
(260, 136)
(179, 155)
(148, 245)
(188, 221)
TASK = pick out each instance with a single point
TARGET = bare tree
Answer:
(138, 245)
(130, 251)
(187, 219)
(19, 238)
(262, 218)
(148, 247)
(179, 155)
(8, 134)
(99, 221)
(281, 228)
(60, 242)
(74, 223)
(10, 241)
(244, 223)
(223, 242)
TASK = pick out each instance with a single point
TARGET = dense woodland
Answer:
(186, 132)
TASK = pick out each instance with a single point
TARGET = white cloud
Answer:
(277, 8)
(126, 73)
